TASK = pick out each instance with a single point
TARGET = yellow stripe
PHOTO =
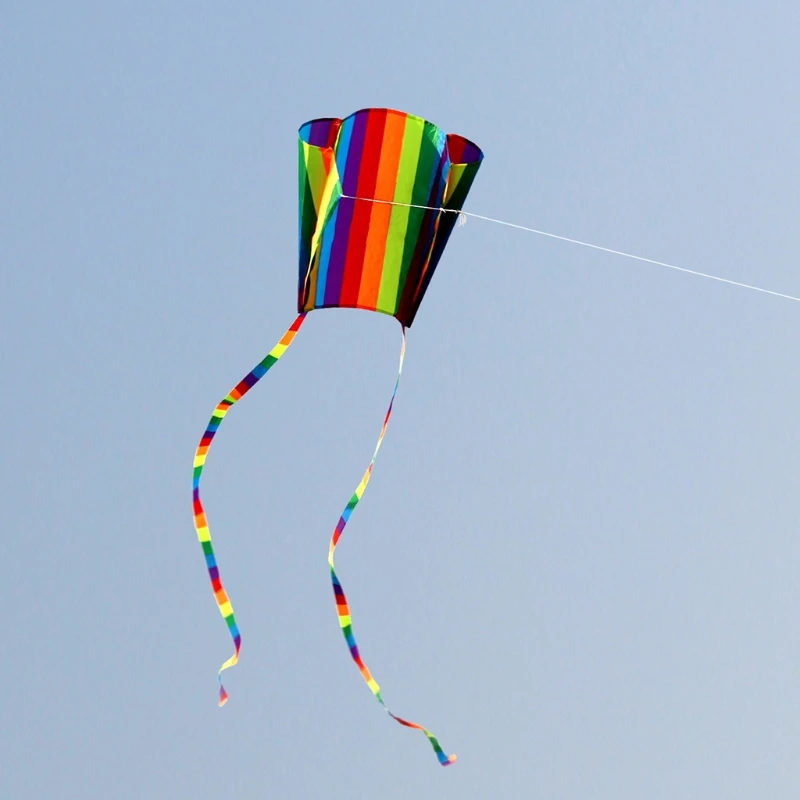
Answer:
(230, 662)
(453, 179)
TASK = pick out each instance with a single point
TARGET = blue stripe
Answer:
(344, 145)
(325, 257)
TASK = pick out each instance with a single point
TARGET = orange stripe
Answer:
(381, 213)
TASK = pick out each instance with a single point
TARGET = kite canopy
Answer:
(361, 244)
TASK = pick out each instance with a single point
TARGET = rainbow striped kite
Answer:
(380, 193)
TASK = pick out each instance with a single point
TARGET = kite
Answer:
(380, 194)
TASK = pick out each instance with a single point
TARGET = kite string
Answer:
(342, 608)
(463, 214)
(200, 521)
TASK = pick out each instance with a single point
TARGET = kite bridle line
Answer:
(652, 261)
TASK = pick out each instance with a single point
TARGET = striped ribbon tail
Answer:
(343, 610)
(200, 521)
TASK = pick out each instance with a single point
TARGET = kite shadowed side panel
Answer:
(379, 195)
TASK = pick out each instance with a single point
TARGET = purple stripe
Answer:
(354, 153)
(344, 218)
(472, 153)
(319, 132)
(333, 278)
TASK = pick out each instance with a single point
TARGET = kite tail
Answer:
(343, 610)
(200, 522)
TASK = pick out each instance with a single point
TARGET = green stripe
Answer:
(268, 361)
(308, 217)
(425, 166)
(398, 224)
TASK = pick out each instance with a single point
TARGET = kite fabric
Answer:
(364, 243)
(342, 608)
(200, 521)
(361, 245)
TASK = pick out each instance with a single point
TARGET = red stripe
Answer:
(359, 226)
(456, 145)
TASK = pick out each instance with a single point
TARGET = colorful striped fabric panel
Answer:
(465, 161)
(200, 521)
(342, 608)
(379, 256)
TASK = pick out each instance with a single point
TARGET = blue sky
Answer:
(576, 561)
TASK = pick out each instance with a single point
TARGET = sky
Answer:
(577, 559)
